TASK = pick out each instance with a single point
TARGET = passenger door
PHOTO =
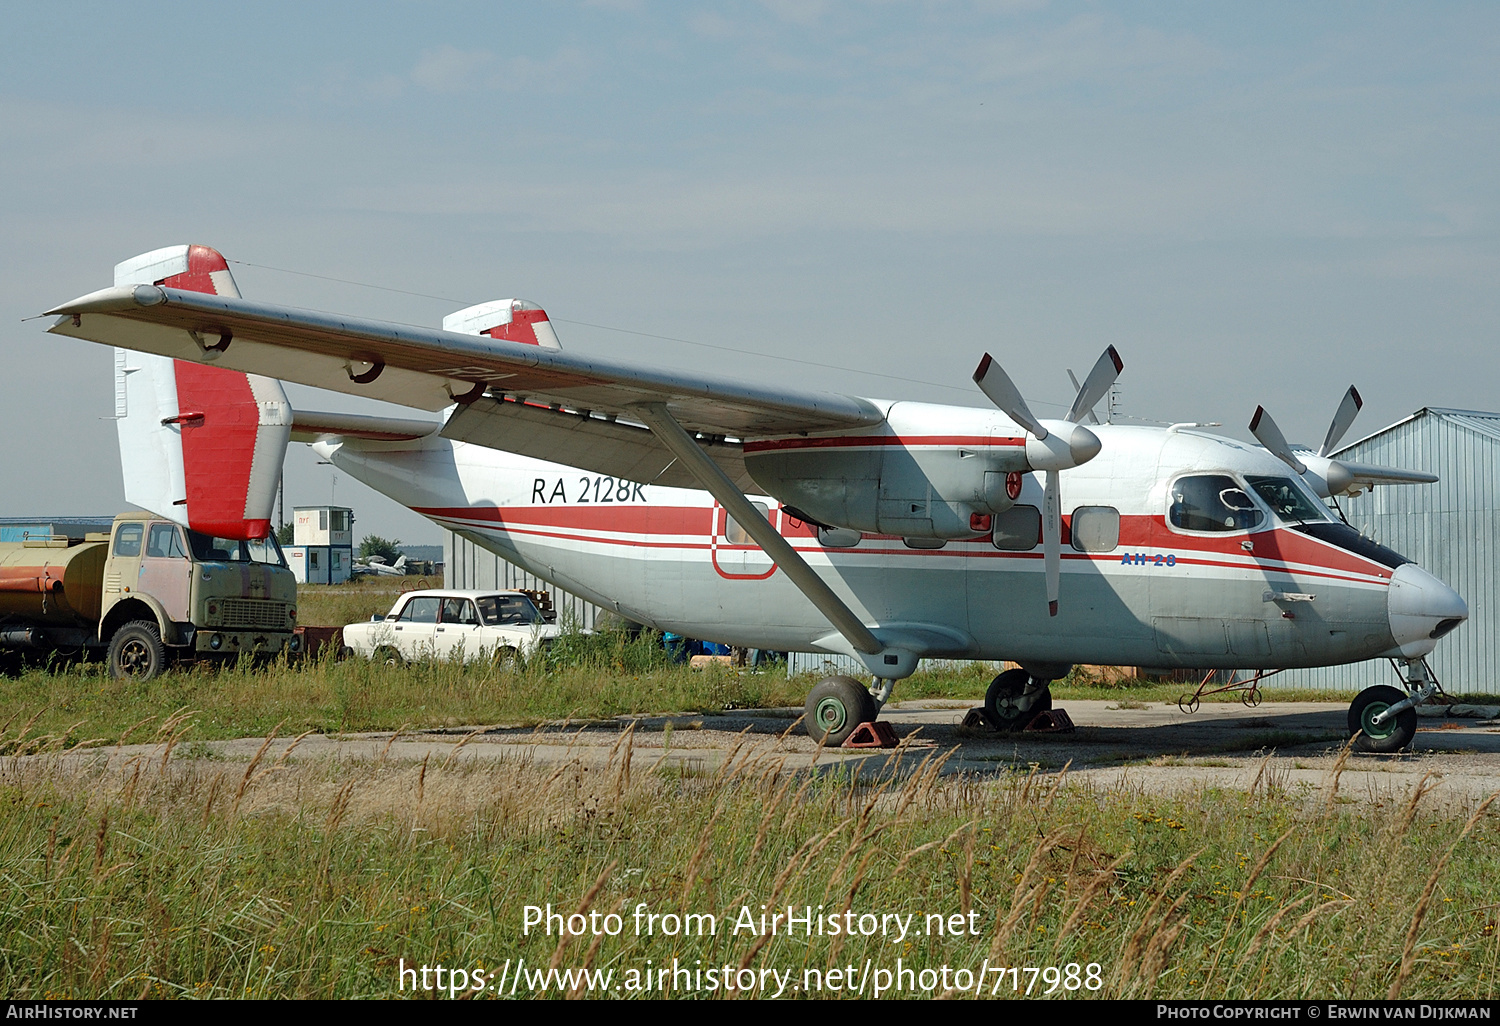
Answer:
(166, 573)
(457, 635)
(415, 628)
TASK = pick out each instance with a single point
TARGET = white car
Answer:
(469, 625)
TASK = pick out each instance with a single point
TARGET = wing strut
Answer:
(713, 479)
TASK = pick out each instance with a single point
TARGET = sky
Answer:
(1256, 204)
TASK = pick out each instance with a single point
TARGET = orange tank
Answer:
(52, 582)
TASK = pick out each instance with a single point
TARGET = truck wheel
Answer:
(136, 651)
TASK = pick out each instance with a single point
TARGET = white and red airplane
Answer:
(775, 518)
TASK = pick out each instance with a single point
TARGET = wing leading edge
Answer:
(432, 369)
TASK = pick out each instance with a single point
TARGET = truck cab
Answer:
(171, 591)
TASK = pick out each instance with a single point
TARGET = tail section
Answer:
(511, 320)
(200, 445)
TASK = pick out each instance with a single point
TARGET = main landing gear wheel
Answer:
(1392, 735)
(1008, 705)
(835, 706)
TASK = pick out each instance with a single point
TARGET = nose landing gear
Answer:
(1382, 719)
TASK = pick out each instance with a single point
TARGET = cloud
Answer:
(447, 69)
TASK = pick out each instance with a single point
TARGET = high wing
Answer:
(565, 407)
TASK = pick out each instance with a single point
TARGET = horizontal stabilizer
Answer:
(309, 426)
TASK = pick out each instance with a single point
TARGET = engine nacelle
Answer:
(927, 472)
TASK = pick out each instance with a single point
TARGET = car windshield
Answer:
(1291, 504)
(208, 549)
(508, 609)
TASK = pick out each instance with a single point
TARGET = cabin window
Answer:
(838, 537)
(734, 534)
(1096, 528)
(312, 558)
(460, 611)
(165, 543)
(420, 610)
(1211, 502)
(1018, 529)
(128, 540)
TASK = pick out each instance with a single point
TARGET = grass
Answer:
(584, 676)
(175, 878)
(605, 675)
(335, 605)
(178, 874)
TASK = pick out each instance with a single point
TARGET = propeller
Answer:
(1265, 429)
(1329, 476)
(1064, 445)
(1347, 411)
(1077, 387)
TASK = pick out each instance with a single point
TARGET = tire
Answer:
(1008, 705)
(387, 655)
(1391, 736)
(506, 659)
(136, 651)
(835, 706)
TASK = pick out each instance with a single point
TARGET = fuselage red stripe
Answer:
(1137, 533)
(863, 441)
(1109, 559)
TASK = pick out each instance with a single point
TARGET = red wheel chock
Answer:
(875, 734)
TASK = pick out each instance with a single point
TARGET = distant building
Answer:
(20, 529)
(322, 549)
(1451, 529)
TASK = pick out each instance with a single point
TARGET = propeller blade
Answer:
(1348, 410)
(1052, 539)
(1090, 413)
(996, 384)
(1265, 429)
(1096, 384)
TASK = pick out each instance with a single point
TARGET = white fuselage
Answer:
(1268, 596)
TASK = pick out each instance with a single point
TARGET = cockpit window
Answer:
(1293, 505)
(1212, 502)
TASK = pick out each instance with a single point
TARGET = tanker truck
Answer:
(146, 594)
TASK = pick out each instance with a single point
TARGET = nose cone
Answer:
(1421, 609)
(1066, 446)
(1083, 444)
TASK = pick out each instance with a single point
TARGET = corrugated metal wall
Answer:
(467, 565)
(1452, 529)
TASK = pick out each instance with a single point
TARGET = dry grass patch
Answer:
(176, 877)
